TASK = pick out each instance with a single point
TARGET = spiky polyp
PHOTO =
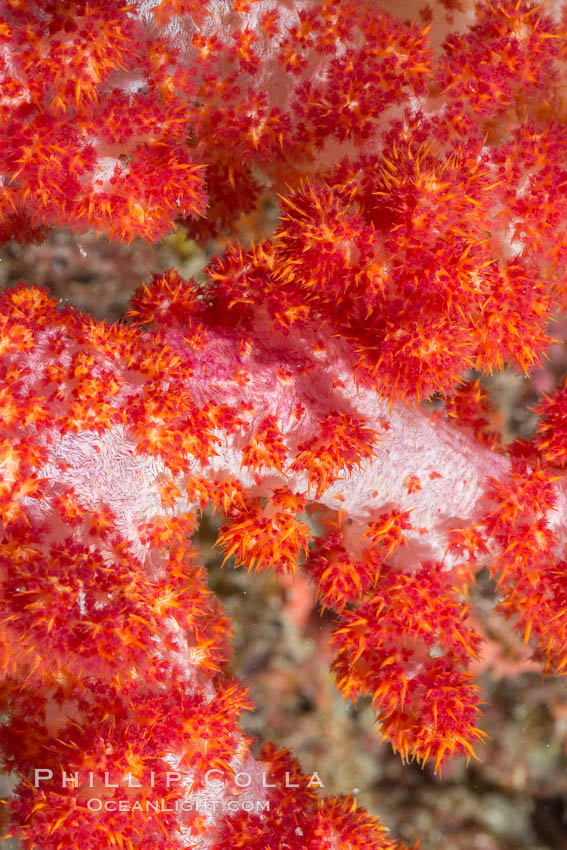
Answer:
(114, 650)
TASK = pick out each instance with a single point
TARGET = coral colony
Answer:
(420, 165)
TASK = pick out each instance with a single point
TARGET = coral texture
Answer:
(422, 235)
